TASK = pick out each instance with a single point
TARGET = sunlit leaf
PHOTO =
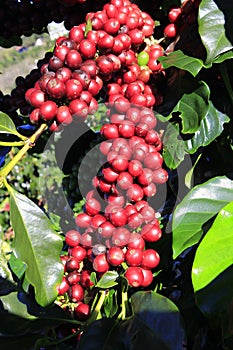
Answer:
(180, 60)
(193, 108)
(198, 206)
(173, 147)
(38, 246)
(212, 257)
(108, 280)
(211, 24)
(7, 126)
(211, 127)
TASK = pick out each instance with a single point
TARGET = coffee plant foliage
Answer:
(116, 173)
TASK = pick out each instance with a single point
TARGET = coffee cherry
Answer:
(73, 277)
(72, 238)
(136, 241)
(92, 206)
(63, 115)
(150, 259)
(48, 110)
(133, 256)
(115, 256)
(174, 14)
(121, 237)
(72, 264)
(76, 293)
(85, 279)
(100, 263)
(87, 48)
(135, 193)
(170, 31)
(151, 232)
(118, 217)
(134, 276)
(82, 311)
(63, 287)
(79, 253)
(147, 277)
(83, 220)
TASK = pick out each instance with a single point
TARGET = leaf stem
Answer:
(29, 143)
(12, 144)
(124, 306)
(227, 82)
(96, 311)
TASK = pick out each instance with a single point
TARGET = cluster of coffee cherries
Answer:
(180, 17)
(117, 221)
(105, 56)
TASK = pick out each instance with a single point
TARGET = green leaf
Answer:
(12, 305)
(88, 26)
(193, 108)
(17, 266)
(156, 323)
(37, 245)
(223, 57)
(180, 60)
(210, 128)
(108, 280)
(215, 300)
(197, 207)
(189, 175)
(110, 303)
(22, 322)
(8, 127)
(101, 334)
(211, 24)
(173, 146)
(207, 264)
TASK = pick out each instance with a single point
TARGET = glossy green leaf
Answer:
(225, 56)
(12, 305)
(212, 257)
(7, 126)
(197, 207)
(17, 266)
(108, 280)
(189, 175)
(110, 303)
(211, 24)
(38, 246)
(193, 107)
(101, 334)
(156, 323)
(88, 26)
(180, 60)
(173, 147)
(211, 127)
(215, 300)
(21, 322)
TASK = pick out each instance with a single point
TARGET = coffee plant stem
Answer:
(225, 76)
(12, 144)
(98, 307)
(28, 144)
(124, 306)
